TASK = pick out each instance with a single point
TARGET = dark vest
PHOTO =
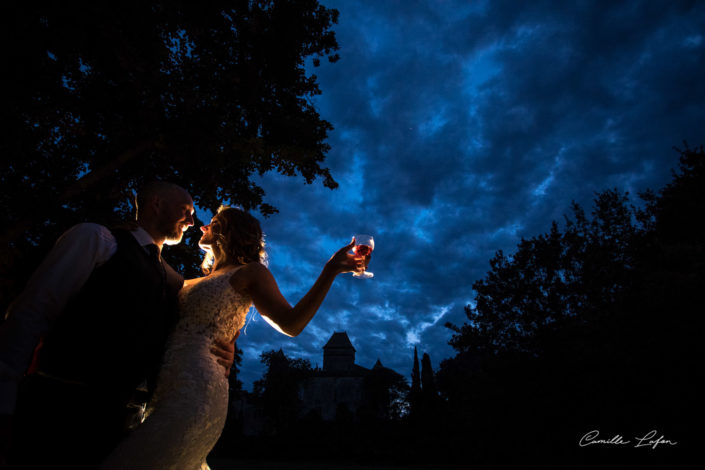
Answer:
(112, 334)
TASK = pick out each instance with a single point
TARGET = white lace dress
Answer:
(190, 404)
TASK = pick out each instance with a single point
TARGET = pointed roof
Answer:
(339, 341)
(378, 365)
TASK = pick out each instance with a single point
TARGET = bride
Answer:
(188, 411)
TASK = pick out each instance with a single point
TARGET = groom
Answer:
(101, 306)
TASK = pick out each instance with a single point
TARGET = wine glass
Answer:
(364, 244)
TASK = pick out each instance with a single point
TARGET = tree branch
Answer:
(86, 182)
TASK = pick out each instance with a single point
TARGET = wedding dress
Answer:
(187, 413)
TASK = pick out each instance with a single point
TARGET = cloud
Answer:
(461, 127)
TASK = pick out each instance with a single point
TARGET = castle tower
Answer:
(338, 354)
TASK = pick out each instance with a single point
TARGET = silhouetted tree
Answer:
(386, 393)
(415, 391)
(277, 392)
(98, 99)
(428, 382)
(235, 384)
(582, 327)
(554, 279)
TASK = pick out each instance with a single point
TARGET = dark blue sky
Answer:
(461, 127)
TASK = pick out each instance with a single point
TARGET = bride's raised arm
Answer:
(257, 281)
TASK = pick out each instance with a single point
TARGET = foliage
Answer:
(415, 391)
(554, 279)
(584, 275)
(386, 395)
(592, 326)
(235, 384)
(428, 381)
(99, 99)
(423, 395)
(277, 392)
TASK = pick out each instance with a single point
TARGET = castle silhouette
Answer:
(339, 384)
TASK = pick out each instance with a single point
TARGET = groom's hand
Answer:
(225, 353)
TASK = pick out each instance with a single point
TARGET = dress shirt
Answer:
(58, 278)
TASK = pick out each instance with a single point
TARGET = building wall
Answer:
(325, 394)
(338, 362)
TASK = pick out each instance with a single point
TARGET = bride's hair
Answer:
(239, 241)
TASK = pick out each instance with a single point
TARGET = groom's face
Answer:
(175, 215)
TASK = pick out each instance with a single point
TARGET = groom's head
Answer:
(165, 210)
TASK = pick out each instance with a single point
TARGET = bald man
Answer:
(101, 306)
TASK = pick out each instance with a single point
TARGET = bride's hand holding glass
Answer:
(354, 257)
(343, 261)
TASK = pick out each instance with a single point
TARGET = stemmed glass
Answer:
(364, 244)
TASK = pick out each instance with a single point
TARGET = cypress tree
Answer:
(428, 383)
(415, 392)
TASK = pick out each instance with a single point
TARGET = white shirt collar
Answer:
(142, 237)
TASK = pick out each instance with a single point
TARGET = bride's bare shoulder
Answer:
(251, 272)
(250, 269)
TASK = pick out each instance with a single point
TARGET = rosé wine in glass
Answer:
(364, 245)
